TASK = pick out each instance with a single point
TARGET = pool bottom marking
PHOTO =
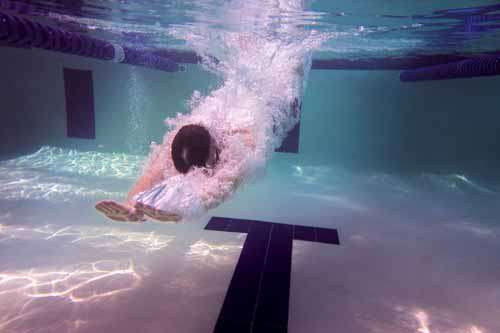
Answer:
(258, 295)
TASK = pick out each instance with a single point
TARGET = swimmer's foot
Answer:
(157, 214)
(119, 212)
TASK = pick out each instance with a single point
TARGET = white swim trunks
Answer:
(175, 195)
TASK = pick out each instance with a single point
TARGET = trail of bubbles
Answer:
(264, 70)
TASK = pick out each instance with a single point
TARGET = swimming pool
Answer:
(405, 172)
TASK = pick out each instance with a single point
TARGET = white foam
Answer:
(264, 70)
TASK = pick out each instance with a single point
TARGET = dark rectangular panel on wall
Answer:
(79, 96)
(291, 142)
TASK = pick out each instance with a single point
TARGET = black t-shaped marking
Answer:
(257, 298)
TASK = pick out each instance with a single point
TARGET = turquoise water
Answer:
(363, 29)
(406, 172)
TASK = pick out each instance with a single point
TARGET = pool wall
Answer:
(32, 91)
(362, 119)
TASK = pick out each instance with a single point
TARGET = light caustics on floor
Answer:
(84, 282)
(53, 189)
(59, 174)
(318, 187)
(63, 175)
(326, 176)
(213, 254)
(87, 282)
(70, 283)
(111, 239)
(32, 292)
(424, 324)
(397, 318)
(419, 320)
(82, 163)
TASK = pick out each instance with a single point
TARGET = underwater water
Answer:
(407, 173)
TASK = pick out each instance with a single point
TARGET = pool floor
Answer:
(416, 254)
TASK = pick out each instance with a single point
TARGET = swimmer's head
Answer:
(193, 146)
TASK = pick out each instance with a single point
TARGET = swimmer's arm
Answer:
(145, 182)
(227, 184)
(152, 175)
(246, 135)
(224, 183)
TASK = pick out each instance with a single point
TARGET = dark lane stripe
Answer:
(241, 226)
(241, 297)
(217, 224)
(328, 236)
(304, 233)
(272, 306)
(258, 296)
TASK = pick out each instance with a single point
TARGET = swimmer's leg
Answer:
(119, 212)
(157, 214)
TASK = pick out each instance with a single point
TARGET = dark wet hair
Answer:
(191, 146)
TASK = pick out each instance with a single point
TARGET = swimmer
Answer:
(192, 147)
(230, 134)
(191, 170)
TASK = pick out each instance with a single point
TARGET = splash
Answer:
(264, 63)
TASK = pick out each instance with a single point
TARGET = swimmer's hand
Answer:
(156, 214)
(119, 212)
